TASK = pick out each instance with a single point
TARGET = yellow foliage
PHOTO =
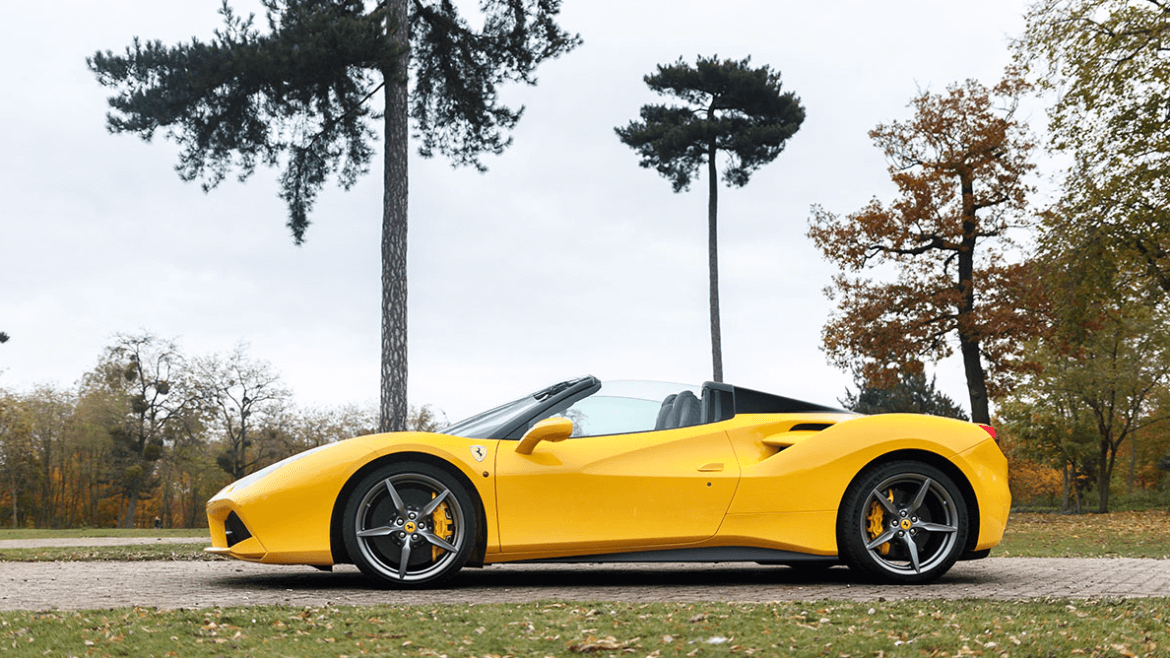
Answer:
(1032, 482)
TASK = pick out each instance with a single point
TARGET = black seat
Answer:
(690, 411)
(679, 410)
(664, 411)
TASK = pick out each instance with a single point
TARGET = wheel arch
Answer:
(941, 463)
(337, 540)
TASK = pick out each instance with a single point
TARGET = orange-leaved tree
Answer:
(960, 166)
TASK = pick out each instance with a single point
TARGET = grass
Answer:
(74, 533)
(137, 553)
(1144, 534)
(1138, 501)
(826, 628)
(1051, 627)
(1118, 534)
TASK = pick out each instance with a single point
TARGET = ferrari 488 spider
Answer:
(585, 471)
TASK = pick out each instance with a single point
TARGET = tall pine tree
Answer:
(300, 96)
(728, 107)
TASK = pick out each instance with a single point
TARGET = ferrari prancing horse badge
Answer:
(479, 452)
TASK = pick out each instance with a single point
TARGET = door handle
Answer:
(713, 467)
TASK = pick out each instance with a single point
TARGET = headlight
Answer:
(249, 480)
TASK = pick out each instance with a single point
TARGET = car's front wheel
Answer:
(904, 522)
(409, 525)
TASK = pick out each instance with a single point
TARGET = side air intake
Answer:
(809, 427)
(235, 530)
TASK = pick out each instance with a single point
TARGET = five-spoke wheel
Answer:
(409, 525)
(903, 522)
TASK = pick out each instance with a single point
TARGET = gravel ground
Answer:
(82, 585)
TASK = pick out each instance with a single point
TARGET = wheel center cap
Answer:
(411, 526)
(905, 524)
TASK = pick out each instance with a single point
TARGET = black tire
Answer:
(924, 527)
(387, 523)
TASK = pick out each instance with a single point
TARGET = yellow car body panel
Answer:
(606, 493)
(803, 484)
(986, 467)
(289, 511)
(772, 481)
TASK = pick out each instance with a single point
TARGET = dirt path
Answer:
(98, 541)
(43, 585)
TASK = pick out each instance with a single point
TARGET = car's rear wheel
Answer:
(409, 525)
(903, 522)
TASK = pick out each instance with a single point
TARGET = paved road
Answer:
(43, 585)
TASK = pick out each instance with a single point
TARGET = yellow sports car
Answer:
(585, 471)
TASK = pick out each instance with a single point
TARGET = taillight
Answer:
(991, 430)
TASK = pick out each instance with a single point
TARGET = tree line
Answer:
(152, 433)
(1059, 313)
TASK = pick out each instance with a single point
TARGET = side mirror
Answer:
(552, 429)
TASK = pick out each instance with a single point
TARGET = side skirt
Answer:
(713, 554)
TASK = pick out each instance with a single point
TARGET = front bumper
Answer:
(230, 536)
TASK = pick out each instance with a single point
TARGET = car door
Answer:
(615, 491)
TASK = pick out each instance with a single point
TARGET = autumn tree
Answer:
(148, 373)
(1102, 390)
(314, 426)
(1043, 422)
(728, 108)
(48, 410)
(97, 416)
(301, 96)
(1105, 63)
(16, 462)
(242, 394)
(1147, 446)
(959, 166)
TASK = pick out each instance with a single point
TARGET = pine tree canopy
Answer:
(730, 107)
(297, 95)
(913, 394)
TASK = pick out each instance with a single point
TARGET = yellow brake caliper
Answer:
(442, 523)
(875, 518)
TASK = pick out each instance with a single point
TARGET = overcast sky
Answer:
(565, 258)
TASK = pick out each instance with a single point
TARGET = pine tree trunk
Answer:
(392, 408)
(713, 259)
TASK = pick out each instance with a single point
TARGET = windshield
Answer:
(493, 424)
(596, 409)
(625, 407)
(485, 425)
